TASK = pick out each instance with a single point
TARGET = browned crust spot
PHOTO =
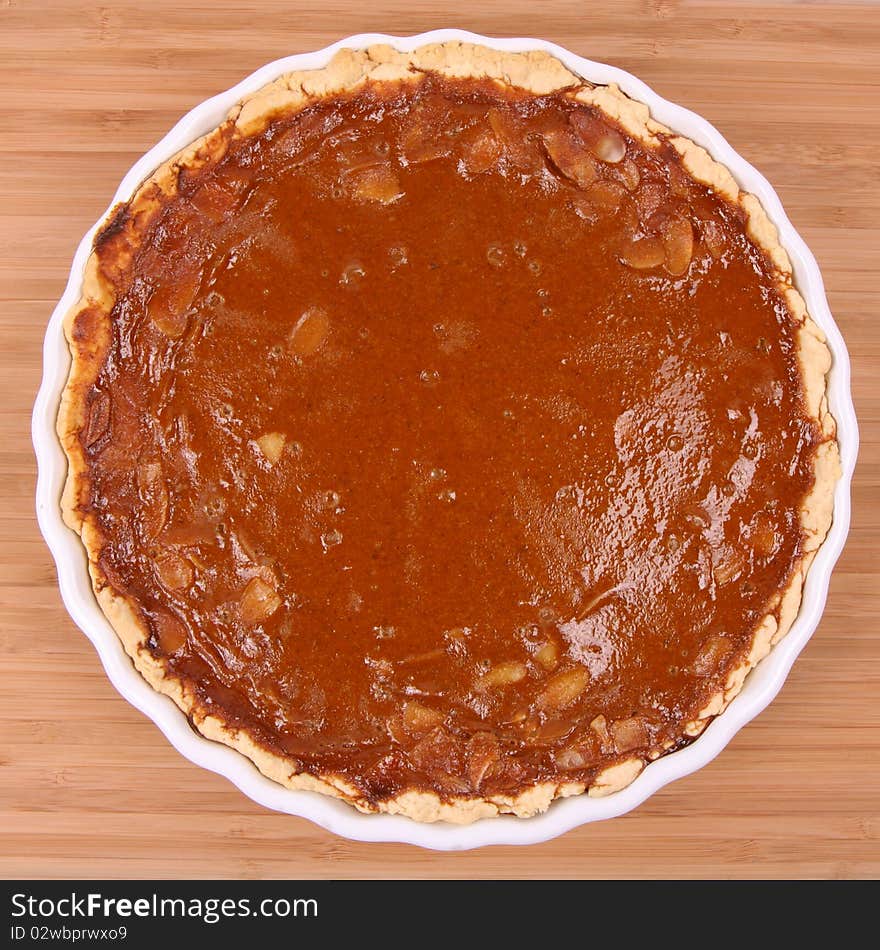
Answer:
(88, 330)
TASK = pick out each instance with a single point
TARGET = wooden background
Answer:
(88, 787)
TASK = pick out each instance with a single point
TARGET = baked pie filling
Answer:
(444, 441)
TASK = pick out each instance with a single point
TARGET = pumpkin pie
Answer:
(445, 433)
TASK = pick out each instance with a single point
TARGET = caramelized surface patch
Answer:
(450, 439)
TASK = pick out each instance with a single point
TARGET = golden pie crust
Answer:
(88, 332)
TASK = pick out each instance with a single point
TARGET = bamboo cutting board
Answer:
(88, 786)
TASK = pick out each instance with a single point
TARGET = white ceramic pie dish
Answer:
(761, 685)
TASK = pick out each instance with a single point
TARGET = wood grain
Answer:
(88, 787)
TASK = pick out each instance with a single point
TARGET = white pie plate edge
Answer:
(761, 685)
